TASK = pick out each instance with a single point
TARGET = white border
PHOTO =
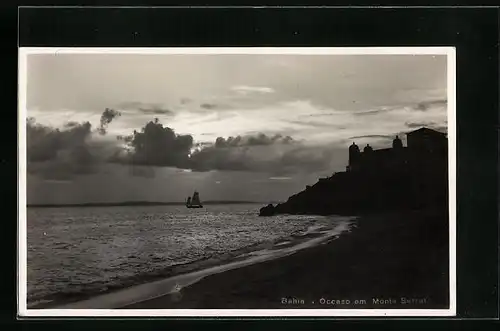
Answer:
(22, 239)
(22, 259)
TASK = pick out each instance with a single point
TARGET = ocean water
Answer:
(77, 253)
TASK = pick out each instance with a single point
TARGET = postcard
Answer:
(237, 181)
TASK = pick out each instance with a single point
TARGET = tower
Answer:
(354, 155)
(397, 143)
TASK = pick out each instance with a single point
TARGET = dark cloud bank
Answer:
(62, 153)
(57, 154)
(158, 145)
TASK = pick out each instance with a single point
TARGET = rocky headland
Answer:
(388, 180)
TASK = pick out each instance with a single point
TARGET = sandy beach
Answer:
(394, 261)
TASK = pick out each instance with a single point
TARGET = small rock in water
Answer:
(267, 210)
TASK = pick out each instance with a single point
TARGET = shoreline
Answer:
(389, 261)
(163, 281)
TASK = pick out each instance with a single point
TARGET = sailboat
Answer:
(194, 202)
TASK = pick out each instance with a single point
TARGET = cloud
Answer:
(376, 136)
(132, 105)
(106, 118)
(145, 108)
(342, 125)
(420, 106)
(237, 139)
(425, 105)
(316, 125)
(156, 111)
(208, 106)
(156, 145)
(62, 153)
(373, 111)
(252, 140)
(44, 143)
(312, 147)
(431, 125)
(243, 89)
(278, 158)
(413, 125)
(58, 154)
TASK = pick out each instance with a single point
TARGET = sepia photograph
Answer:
(237, 182)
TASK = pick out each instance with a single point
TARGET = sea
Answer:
(78, 253)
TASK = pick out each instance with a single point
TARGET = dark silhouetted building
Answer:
(428, 140)
(391, 179)
(424, 146)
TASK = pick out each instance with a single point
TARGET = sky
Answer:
(234, 127)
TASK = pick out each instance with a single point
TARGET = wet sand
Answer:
(387, 261)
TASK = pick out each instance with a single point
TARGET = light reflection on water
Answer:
(73, 251)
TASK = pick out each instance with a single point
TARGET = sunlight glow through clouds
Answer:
(59, 117)
(306, 121)
(302, 119)
(250, 89)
